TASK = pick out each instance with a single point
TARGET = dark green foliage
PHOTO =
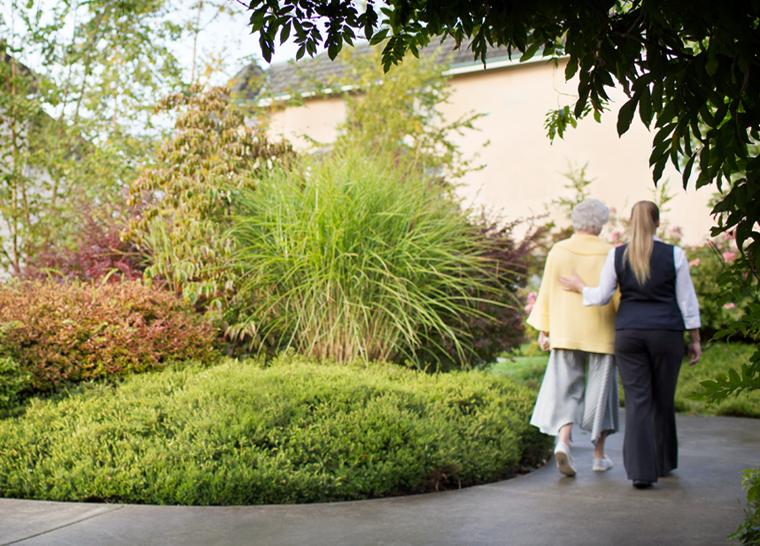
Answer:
(295, 431)
(69, 332)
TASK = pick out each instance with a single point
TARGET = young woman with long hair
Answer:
(657, 303)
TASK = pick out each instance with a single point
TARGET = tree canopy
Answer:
(689, 68)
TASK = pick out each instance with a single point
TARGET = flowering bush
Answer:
(706, 263)
(69, 332)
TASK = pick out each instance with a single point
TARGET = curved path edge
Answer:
(700, 503)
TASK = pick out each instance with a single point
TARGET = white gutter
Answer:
(478, 66)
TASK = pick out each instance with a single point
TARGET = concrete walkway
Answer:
(698, 504)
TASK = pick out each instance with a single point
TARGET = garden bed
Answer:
(294, 431)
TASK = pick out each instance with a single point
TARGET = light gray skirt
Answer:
(567, 397)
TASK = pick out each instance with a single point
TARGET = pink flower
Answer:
(694, 262)
(531, 301)
(729, 256)
(729, 306)
(614, 237)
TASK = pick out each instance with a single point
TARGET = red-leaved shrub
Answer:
(501, 324)
(69, 332)
(96, 251)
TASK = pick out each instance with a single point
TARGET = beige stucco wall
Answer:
(317, 119)
(523, 170)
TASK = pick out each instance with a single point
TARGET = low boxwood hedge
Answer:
(289, 432)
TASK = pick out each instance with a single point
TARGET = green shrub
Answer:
(13, 382)
(349, 257)
(499, 326)
(748, 532)
(296, 431)
(69, 332)
(716, 359)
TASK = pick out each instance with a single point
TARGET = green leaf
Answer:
(687, 170)
(379, 36)
(285, 33)
(659, 167)
(645, 107)
(625, 116)
(530, 52)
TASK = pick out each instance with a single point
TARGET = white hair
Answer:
(590, 215)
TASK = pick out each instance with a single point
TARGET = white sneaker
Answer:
(564, 459)
(602, 465)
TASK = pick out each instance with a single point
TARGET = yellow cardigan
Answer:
(570, 324)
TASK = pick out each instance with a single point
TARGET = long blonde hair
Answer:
(645, 217)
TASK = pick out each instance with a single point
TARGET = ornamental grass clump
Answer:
(350, 257)
(293, 431)
(59, 332)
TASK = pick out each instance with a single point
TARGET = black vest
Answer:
(654, 305)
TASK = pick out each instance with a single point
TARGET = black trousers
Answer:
(649, 362)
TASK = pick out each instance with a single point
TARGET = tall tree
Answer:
(187, 194)
(79, 122)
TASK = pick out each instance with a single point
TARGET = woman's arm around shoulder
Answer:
(596, 295)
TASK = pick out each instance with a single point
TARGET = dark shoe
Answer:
(641, 484)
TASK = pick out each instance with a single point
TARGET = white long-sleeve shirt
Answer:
(685, 293)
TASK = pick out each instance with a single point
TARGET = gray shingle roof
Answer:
(309, 73)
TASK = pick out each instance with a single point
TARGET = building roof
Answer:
(291, 77)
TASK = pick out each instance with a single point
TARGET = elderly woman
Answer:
(578, 336)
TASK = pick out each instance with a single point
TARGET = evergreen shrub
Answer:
(13, 382)
(292, 432)
(69, 332)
